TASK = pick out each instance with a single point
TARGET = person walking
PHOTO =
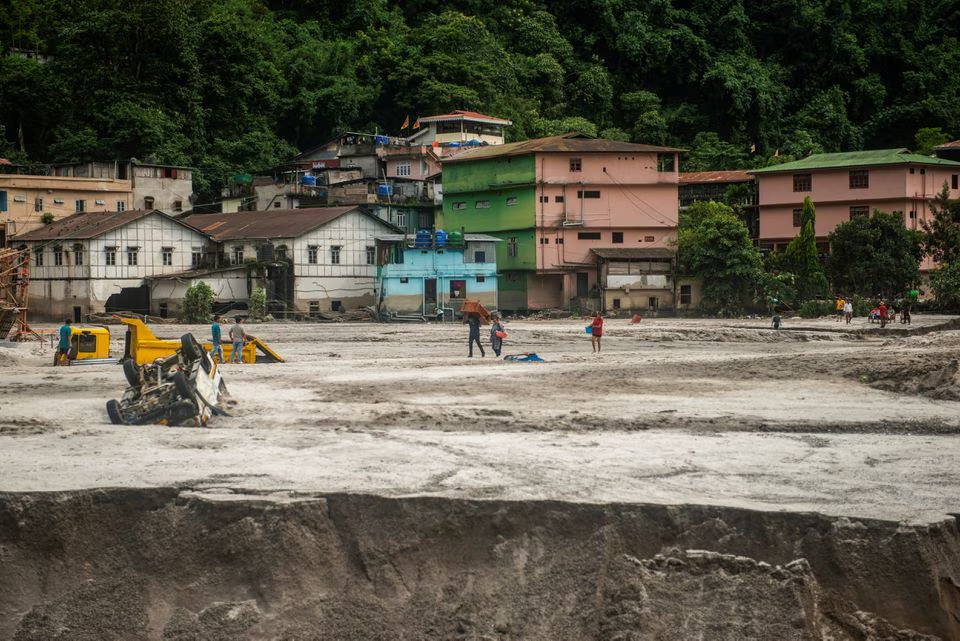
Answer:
(839, 308)
(848, 310)
(63, 347)
(496, 327)
(596, 332)
(882, 313)
(473, 322)
(775, 321)
(216, 349)
(237, 336)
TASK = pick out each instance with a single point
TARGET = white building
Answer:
(96, 262)
(164, 187)
(308, 260)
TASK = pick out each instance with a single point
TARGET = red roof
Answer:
(460, 114)
(696, 177)
(567, 143)
(954, 144)
(272, 223)
(90, 225)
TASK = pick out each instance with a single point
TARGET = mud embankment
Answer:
(169, 565)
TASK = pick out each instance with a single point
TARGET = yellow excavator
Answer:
(143, 348)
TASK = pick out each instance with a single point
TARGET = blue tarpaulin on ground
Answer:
(529, 357)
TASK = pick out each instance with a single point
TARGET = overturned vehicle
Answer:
(184, 388)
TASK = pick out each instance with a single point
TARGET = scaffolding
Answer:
(14, 283)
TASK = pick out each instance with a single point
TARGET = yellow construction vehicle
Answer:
(143, 348)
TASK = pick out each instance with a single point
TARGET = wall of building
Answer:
(30, 197)
(545, 291)
(227, 286)
(56, 288)
(169, 188)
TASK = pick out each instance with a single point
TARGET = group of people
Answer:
(844, 309)
(238, 336)
(474, 321)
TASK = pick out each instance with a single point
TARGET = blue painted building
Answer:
(419, 275)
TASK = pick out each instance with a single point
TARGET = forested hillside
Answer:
(237, 85)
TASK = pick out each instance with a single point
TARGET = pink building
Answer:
(845, 185)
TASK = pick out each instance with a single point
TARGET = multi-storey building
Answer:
(845, 185)
(554, 202)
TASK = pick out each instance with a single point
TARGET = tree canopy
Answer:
(233, 86)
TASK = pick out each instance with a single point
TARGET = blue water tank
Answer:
(441, 237)
(384, 191)
(381, 140)
(309, 181)
(422, 238)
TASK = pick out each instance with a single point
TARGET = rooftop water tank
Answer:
(384, 191)
(455, 238)
(422, 238)
(441, 237)
(309, 181)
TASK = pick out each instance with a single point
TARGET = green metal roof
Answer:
(867, 158)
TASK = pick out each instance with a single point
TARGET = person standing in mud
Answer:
(63, 347)
(216, 349)
(596, 332)
(496, 343)
(882, 313)
(839, 308)
(848, 310)
(473, 322)
(237, 337)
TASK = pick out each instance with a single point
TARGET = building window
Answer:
(544, 241)
(166, 256)
(481, 279)
(56, 201)
(148, 202)
(859, 211)
(588, 194)
(511, 200)
(237, 255)
(58, 255)
(404, 280)
(280, 253)
(460, 204)
(458, 288)
(312, 252)
(544, 199)
(314, 307)
(335, 254)
(403, 169)
(954, 181)
(479, 257)
(482, 204)
(802, 182)
(276, 204)
(616, 303)
(648, 239)
(558, 199)
(686, 293)
(512, 247)
(560, 241)
(3, 200)
(121, 205)
(196, 256)
(178, 205)
(859, 179)
(371, 255)
(588, 235)
(78, 254)
(913, 213)
(100, 202)
(400, 220)
(79, 205)
(38, 257)
(110, 255)
(424, 220)
(575, 164)
(132, 254)
(665, 162)
(38, 204)
(618, 236)
(796, 217)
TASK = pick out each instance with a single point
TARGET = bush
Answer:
(197, 303)
(861, 305)
(817, 308)
(258, 303)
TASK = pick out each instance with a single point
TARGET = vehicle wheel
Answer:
(185, 388)
(113, 411)
(189, 347)
(132, 373)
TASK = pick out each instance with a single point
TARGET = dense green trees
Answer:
(874, 256)
(232, 86)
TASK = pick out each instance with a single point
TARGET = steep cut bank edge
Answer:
(173, 565)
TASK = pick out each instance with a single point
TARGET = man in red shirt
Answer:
(883, 314)
(596, 331)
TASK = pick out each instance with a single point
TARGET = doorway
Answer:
(582, 284)
(429, 295)
(77, 315)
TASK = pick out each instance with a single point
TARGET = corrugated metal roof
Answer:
(272, 223)
(700, 177)
(870, 157)
(460, 114)
(634, 252)
(90, 225)
(953, 144)
(567, 143)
